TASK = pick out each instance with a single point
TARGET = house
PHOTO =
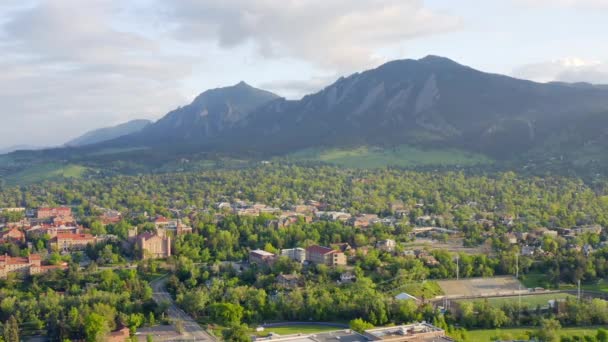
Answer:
(387, 245)
(261, 257)
(13, 234)
(333, 216)
(406, 296)
(154, 245)
(288, 280)
(511, 238)
(427, 258)
(587, 249)
(591, 229)
(304, 209)
(295, 254)
(71, 242)
(110, 217)
(363, 220)
(347, 277)
(528, 250)
(343, 247)
(324, 255)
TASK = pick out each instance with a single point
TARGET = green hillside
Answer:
(403, 156)
(50, 171)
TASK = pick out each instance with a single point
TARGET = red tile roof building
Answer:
(30, 265)
(46, 212)
(13, 235)
(324, 255)
(70, 241)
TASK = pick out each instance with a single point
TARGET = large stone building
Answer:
(71, 242)
(324, 255)
(46, 212)
(29, 265)
(154, 245)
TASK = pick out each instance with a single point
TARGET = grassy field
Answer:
(296, 329)
(43, 172)
(373, 157)
(532, 280)
(523, 333)
(530, 301)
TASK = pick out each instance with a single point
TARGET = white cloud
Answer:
(571, 69)
(66, 68)
(337, 34)
(588, 4)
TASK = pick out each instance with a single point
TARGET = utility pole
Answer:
(457, 267)
(517, 266)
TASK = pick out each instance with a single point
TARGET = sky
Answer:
(69, 66)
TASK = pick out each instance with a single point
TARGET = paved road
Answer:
(192, 330)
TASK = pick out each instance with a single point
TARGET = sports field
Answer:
(494, 286)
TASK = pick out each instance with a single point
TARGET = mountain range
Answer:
(109, 133)
(432, 102)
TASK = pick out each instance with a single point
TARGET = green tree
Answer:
(95, 327)
(602, 335)
(549, 330)
(11, 330)
(226, 313)
(237, 333)
(359, 325)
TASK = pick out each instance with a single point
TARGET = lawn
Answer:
(529, 301)
(523, 333)
(532, 280)
(50, 171)
(404, 156)
(297, 329)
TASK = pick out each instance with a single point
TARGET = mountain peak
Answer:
(437, 60)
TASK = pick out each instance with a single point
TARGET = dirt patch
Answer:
(495, 286)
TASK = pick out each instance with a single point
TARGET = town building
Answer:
(288, 280)
(72, 241)
(422, 332)
(29, 265)
(154, 245)
(364, 220)
(47, 212)
(261, 257)
(325, 256)
(386, 245)
(296, 254)
(347, 277)
(53, 230)
(174, 226)
(13, 234)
